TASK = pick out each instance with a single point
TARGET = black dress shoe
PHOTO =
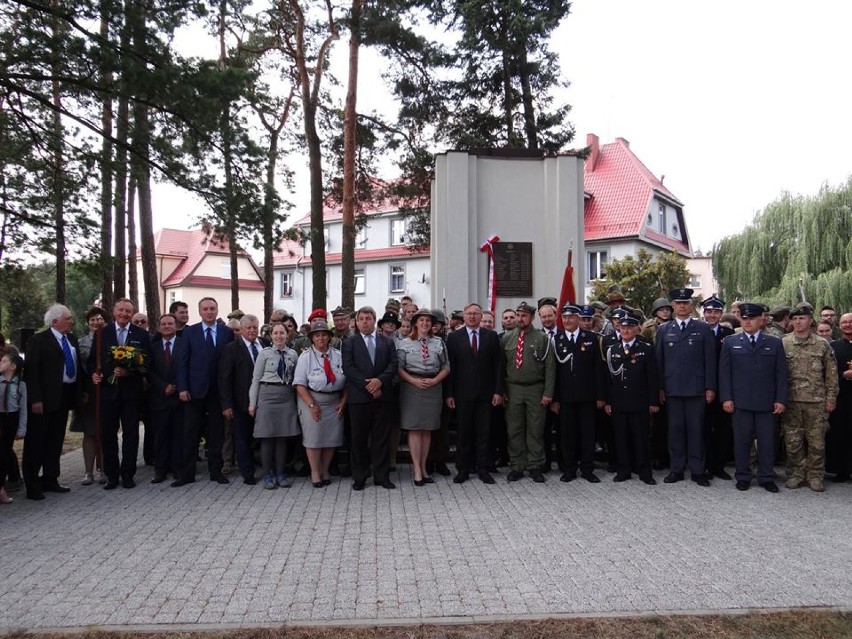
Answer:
(591, 478)
(388, 484)
(568, 477)
(537, 476)
(743, 485)
(515, 475)
(461, 477)
(770, 487)
(720, 473)
(318, 484)
(486, 478)
(249, 481)
(419, 483)
(181, 482)
(128, 483)
(649, 480)
(658, 465)
(111, 484)
(429, 480)
(441, 469)
(701, 480)
(326, 482)
(55, 488)
(35, 496)
(158, 479)
(219, 479)
(358, 485)
(620, 477)
(673, 478)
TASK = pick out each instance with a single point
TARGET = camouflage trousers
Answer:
(804, 425)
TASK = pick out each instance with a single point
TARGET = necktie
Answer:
(424, 349)
(209, 339)
(70, 369)
(167, 355)
(474, 344)
(371, 347)
(519, 351)
(254, 351)
(550, 334)
(122, 335)
(281, 365)
(627, 349)
(753, 341)
(326, 364)
(682, 327)
(571, 339)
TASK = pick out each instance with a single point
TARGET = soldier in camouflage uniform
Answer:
(661, 312)
(530, 380)
(812, 370)
(780, 321)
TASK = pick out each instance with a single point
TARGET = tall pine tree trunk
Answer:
(132, 263)
(527, 98)
(230, 217)
(106, 169)
(58, 194)
(121, 169)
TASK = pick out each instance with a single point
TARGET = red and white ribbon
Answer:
(488, 247)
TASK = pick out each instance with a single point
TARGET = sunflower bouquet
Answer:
(128, 357)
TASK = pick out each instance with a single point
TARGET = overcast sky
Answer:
(733, 101)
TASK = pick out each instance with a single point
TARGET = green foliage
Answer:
(22, 301)
(796, 248)
(643, 278)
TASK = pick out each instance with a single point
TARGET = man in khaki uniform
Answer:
(530, 378)
(812, 370)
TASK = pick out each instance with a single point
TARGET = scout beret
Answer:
(802, 309)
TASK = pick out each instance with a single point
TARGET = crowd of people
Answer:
(592, 386)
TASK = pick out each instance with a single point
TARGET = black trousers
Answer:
(203, 416)
(719, 437)
(498, 440)
(473, 421)
(369, 447)
(632, 431)
(552, 440)
(8, 430)
(167, 427)
(577, 440)
(244, 442)
(122, 413)
(43, 443)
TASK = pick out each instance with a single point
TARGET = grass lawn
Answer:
(796, 624)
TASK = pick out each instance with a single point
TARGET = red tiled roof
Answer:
(191, 247)
(283, 258)
(621, 189)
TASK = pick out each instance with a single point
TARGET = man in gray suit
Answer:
(753, 387)
(686, 356)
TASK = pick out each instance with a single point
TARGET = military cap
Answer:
(587, 311)
(340, 312)
(713, 302)
(748, 310)
(320, 325)
(619, 314)
(425, 312)
(317, 313)
(681, 294)
(235, 314)
(440, 318)
(523, 307)
(779, 312)
(597, 305)
(391, 317)
(629, 320)
(393, 305)
(572, 309)
(802, 309)
(660, 302)
(547, 301)
(615, 294)
(457, 315)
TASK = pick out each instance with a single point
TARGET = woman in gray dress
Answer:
(273, 405)
(320, 386)
(423, 365)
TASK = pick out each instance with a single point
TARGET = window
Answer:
(662, 220)
(225, 269)
(286, 284)
(360, 281)
(397, 278)
(326, 232)
(650, 220)
(172, 297)
(361, 238)
(398, 228)
(597, 264)
(694, 280)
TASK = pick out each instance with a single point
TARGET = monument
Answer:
(503, 224)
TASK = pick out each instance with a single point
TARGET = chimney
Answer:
(623, 141)
(593, 142)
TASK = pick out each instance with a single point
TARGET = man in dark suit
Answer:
(719, 437)
(686, 356)
(579, 392)
(121, 393)
(475, 386)
(753, 388)
(198, 356)
(370, 363)
(235, 373)
(166, 411)
(51, 376)
(632, 396)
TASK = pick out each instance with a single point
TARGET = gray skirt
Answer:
(328, 431)
(420, 409)
(276, 412)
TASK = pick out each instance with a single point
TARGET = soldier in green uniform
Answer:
(661, 312)
(780, 321)
(530, 379)
(812, 370)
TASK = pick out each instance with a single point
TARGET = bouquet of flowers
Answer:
(128, 357)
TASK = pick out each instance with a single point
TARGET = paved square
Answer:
(209, 554)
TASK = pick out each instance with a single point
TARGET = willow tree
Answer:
(798, 248)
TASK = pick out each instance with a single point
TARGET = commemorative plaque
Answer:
(513, 269)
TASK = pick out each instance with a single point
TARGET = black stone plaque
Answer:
(513, 269)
